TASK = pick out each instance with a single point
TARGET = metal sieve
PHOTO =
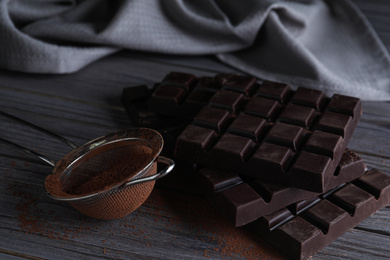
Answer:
(102, 154)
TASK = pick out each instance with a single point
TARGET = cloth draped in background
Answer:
(323, 44)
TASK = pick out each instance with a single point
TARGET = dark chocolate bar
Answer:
(301, 234)
(244, 120)
(243, 200)
(268, 131)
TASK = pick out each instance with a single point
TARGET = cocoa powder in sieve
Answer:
(136, 159)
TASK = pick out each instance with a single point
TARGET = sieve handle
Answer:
(24, 149)
(160, 159)
(47, 132)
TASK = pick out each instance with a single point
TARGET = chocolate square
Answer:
(227, 99)
(351, 198)
(375, 182)
(262, 107)
(345, 104)
(298, 115)
(213, 118)
(270, 158)
(335, 123)
(240, 83)
(171, 94)
(249, 126)
(311, 168)
(232, 148)
(278, 91)
(197, 138)
(196, 100)
(309, 97)
(325, 215)
(324, 143)
(286, 135)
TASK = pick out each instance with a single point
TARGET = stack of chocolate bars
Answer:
(266, 156)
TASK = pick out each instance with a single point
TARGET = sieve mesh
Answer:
(105, 167)
(116, 203)
(130, 157)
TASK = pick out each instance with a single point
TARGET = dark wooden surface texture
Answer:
(170, 225)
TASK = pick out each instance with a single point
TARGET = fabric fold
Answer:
(323, 44)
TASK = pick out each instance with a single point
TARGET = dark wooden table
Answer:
(170, 225)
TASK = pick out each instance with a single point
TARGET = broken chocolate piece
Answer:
(301, 235)
(227, 192)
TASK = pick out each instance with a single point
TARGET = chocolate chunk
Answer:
(298, 115)
(240, 83)
(262, 107)
(325, 215)
(309, 97)
(271, 158)
(287, 135)
(310, 169)
(351, 198)
(171, 95)
(273, 90)
(213, 118)
(248, 126)
(232, 147)
(229, 100)
(196, 100)
(375, 183)
(198, 137)
(324, 143)
(340, 124)
(344, 104)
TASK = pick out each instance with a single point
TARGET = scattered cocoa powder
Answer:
(33, 219)
(195, 214)
(172, 215)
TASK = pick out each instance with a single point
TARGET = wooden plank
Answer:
(371, 138)
(357, 244)
(378, 223)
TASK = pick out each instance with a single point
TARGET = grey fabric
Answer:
(324, 44)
